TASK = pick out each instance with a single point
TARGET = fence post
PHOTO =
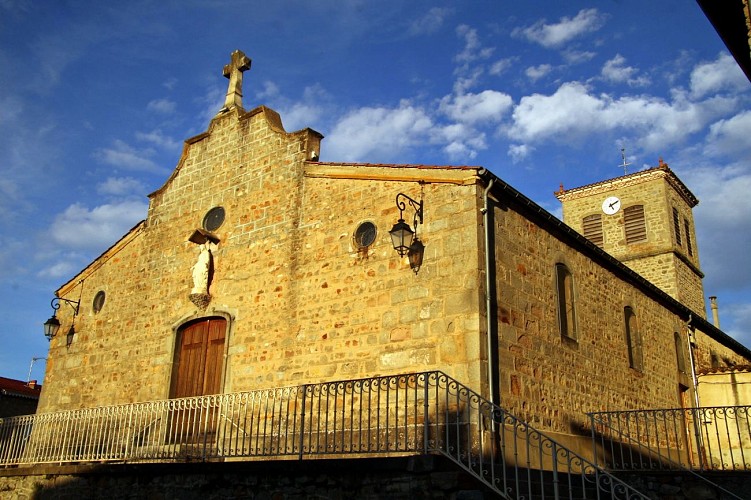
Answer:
(302, 422)
(594, 438)
(426, 411)
(697, 434)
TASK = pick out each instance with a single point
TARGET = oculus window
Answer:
(213, 219)
(98, 302)
(365, 235)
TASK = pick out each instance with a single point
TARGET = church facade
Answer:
(260, 266)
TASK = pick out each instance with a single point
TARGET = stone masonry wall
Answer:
(554, 381)
(657, 258)
(304, 304)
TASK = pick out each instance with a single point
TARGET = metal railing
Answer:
(697, 439)
(405, 414)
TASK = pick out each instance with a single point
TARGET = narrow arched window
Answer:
(633, 339)
(566, 302)
(677, 227)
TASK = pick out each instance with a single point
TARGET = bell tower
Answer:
(646, 221)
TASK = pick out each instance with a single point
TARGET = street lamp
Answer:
(52, 325)
(403, 238)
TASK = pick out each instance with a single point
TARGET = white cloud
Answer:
(473, 49)
(534, 73)
(96, 229)
(382, 133)
(170, 83)
(722, 220)
(730, 136)
(163, 106)
(121, 186)
(307, 111)
(459, 151)
(157, 138)
(57, 270)
(572, 113)
(429, 23)
(578, 56)
(518, 152)
(268, 90)
(127, 157)
(469, 79)
(565, 30)
(616, 71)
(721, 74)
(211, 102)
(501, 65)
(488, 105)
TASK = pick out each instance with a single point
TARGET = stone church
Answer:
(260, 266)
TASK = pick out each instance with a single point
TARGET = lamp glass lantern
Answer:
(401, 237)
(51, 326)
(415, 254)
(69, 336)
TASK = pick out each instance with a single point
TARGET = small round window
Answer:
(365, 234)
(98, 301)
(213, 219)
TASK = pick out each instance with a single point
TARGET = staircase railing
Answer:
(410, 414)
(700, 439)
(696, 440)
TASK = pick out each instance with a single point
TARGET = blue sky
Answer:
(97, 97)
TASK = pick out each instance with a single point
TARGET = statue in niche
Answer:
(202, 271)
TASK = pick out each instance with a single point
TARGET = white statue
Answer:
(201, 271)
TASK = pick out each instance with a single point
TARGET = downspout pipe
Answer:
(488, 301)
(691, 346)
(695, 380)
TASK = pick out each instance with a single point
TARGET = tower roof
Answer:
(662, 171)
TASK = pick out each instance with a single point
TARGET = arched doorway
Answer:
(199, 356)
(199, 360)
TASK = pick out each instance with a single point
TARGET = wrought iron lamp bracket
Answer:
(402, 206)
(75, 304)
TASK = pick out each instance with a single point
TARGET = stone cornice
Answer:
(660, 172)
(464, 175)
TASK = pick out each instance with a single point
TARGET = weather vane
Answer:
(623, 157)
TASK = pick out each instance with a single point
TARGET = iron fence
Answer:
(405, 414)
(698, 439)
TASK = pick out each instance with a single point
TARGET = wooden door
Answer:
(199, 360)
(197, 372)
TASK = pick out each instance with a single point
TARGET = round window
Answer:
(213, 219)
(365, 234)
(98, 301)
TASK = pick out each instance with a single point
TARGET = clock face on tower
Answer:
(611, 205)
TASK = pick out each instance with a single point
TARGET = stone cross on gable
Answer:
(234, 71)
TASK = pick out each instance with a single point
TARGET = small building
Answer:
(17, 397)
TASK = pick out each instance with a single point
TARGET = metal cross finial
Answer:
(234, 71)
(624, 164)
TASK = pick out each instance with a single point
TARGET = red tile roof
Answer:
(18, 388)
